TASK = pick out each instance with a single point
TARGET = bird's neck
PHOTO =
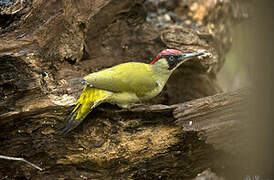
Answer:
(160, 70)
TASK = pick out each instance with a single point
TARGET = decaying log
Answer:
(44, 45)
(141, 142)
(218, 118)
(57, 46)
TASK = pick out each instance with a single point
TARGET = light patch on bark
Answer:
(64, 100)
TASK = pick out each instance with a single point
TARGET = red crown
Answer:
(165, 52)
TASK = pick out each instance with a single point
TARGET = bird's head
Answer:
(172, 58)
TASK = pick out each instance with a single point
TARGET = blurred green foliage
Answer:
(235, 72)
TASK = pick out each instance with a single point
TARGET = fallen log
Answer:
(44, 44)
(138, 143)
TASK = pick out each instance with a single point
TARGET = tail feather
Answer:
(71, 121)
(89, 99)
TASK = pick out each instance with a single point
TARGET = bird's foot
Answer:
(130, 106)
(135, 105)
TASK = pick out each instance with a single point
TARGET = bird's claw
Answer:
(135, 106)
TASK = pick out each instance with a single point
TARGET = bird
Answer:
(125, 84)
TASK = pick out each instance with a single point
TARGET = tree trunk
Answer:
(45, 45)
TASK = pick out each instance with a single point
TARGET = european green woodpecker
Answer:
(126, 83)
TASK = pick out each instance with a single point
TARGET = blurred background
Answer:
(235, 72)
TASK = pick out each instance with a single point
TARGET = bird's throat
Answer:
(161, 71)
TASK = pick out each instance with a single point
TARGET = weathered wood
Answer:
(137, 138)
(49, 43)
(219, 118)
(58, 46)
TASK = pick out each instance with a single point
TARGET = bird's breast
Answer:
(123, 99)
(154, 92)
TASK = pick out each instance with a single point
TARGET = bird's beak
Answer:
(187, 56)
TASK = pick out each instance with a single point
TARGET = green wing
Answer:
(129, 77)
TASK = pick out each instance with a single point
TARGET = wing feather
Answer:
(126, 77)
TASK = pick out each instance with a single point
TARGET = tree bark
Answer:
(143, 142)
(45, 45)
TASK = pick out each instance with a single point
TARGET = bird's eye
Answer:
(171, 58)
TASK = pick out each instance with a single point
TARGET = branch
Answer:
(20, 159)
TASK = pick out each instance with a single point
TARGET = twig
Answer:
(20, 159)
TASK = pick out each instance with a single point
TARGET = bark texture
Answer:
(143, 142)
(45, 45)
